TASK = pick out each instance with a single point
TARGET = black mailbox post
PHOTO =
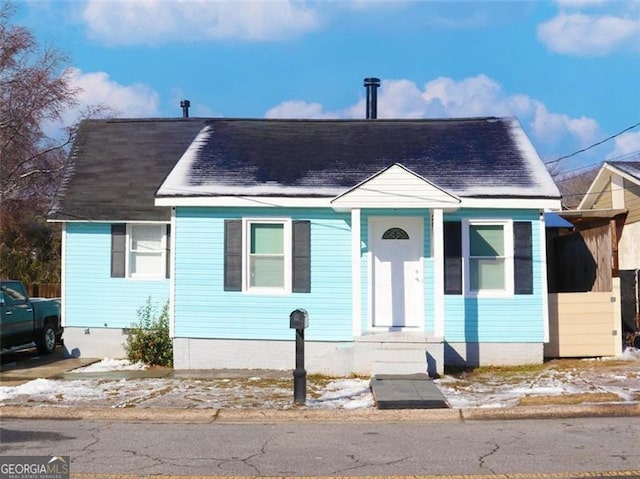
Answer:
(299, 320)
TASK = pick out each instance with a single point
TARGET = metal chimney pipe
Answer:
(185, 104)
(372, 84)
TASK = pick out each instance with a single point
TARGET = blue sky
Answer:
(569, 70)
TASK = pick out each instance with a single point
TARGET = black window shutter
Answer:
(168, 252)
(301, 242)
(118, 250)
(523, 258)
(233, 255)
(452, 257)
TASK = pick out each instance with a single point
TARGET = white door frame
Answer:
(405, 310)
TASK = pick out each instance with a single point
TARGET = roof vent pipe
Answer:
(185, 104)
(372, 85)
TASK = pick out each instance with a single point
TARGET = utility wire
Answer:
(593, 165)
(592, 146)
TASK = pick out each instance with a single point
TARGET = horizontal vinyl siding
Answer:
(204, 310)
(517, 318)
(604, 199)
(632, 201)
(581, 324)
(93, 299)
(397, 187)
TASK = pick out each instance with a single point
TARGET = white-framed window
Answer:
(267, 255)
(487, 247)
(146, 250)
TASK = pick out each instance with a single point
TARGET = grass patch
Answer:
(525, 370)
(568, 399)
(494, 370)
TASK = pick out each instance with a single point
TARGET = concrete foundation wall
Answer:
(320, 357)
(331, 358)
(94, 342)
(493, 354)
(341, 359)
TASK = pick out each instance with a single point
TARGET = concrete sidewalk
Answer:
(207, 416)
(413, 391)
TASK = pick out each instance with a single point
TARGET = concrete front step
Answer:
(397, 358)
(398, 367)
(403, 352)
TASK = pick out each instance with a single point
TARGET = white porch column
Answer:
(356, 283)
(438, 270)
(172, 276)
(543, 273)
(617, 191)
(63, 274)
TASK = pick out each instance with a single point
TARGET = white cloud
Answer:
(590, 35)
(626, 145)
(96, 88)
(580, 3)
(399, 99)
(482, 96)
(159, 21)
(554, 126)
(299, 109)
(448, 98)
(473, 96)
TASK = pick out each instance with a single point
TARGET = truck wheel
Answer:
(47, 342)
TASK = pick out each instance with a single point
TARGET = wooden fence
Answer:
(44, 290)
(580, 261)
(585, 324)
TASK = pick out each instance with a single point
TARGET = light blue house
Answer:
(411, 243)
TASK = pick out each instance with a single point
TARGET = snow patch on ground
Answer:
(345, 394)
(629, 354)
(108, 364)
(621, 378)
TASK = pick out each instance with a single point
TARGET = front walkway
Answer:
(415, 391)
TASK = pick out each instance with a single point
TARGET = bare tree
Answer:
(574, 186)
(34, 89)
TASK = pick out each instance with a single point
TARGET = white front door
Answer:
(397, 246)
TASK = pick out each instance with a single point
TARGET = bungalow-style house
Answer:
(410, 243)
(616, 188)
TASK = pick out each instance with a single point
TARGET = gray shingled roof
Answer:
(116, 166)
(482, 157)
(629, 167)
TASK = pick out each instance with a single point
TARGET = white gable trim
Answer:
(306, 202)
(395, 187)
(513, 203)
(598, 185)
(246, 201)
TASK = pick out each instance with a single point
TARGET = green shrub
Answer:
(148, 340)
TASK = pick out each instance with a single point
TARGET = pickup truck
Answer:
(24, 320)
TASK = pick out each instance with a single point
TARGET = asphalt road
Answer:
(554, 447)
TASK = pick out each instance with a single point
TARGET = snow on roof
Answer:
(481, 157)
(629, 167)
